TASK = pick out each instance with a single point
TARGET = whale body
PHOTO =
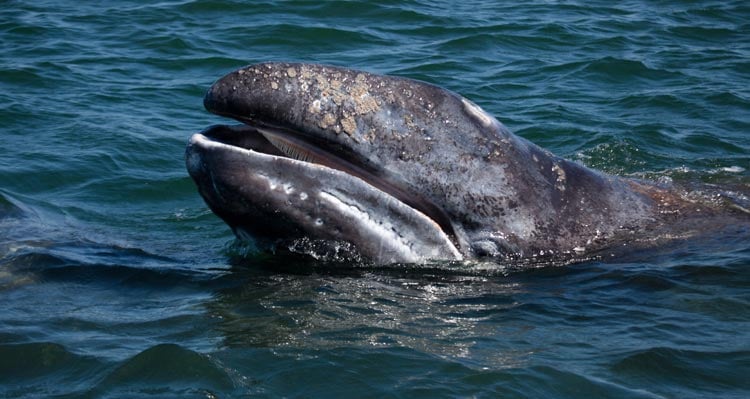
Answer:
(403, 171)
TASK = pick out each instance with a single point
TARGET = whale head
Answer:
(402, 170)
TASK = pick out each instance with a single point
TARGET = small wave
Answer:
(10, 208)
(726, 99)
(667, 101)
(167, 370)
(24, 262)
(21, 365)
(618, 70)
(728, 169)
(713, 373)
(322, 37)
(546, 381)
(161, 367)
(635, 281)
(32, 265)
(705, 34)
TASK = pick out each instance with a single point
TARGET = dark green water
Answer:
(116, 281)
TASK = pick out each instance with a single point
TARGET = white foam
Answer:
(733, 169)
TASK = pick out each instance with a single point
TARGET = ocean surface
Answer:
(116, 281)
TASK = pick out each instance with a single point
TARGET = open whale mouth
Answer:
(279, 142)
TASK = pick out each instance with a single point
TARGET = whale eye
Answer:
(494, 245)
(485, 248)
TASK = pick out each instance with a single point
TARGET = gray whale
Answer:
(402, 171)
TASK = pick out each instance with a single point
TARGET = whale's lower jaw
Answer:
(258, 189)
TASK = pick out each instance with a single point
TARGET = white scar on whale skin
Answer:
(402, 248)
(477, 112)
(398, 243)
(272, 183)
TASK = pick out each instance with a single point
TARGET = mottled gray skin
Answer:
(493, 193)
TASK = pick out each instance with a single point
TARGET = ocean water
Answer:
(117, 281)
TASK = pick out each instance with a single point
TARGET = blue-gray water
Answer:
(116, 281)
